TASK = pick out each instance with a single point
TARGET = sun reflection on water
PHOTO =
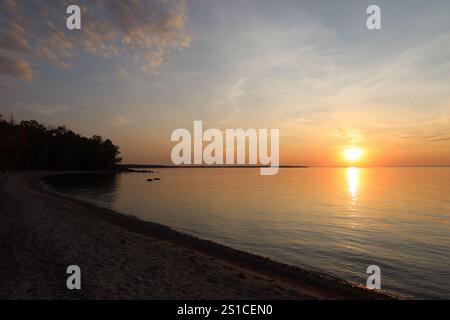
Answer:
(353, 183)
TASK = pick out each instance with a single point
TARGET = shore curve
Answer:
(43, 231)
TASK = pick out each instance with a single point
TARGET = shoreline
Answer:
(190, 268)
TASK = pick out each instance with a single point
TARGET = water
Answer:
(335, 220)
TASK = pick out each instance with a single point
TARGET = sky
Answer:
(137, 70)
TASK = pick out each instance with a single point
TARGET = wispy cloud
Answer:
(122, 120)
(16, 67)
(143, 30)
(46, 110)
(123, 72)
(350, 136)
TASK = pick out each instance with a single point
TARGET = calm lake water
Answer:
(335, 220)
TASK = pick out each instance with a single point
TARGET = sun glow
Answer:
(353, 154)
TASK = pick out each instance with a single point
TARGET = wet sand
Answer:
(42, 232)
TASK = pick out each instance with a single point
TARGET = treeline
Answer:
(30, 146)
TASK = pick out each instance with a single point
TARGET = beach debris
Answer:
(157, 179)
(149, 179)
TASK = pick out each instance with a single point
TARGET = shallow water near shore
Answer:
(334, 220)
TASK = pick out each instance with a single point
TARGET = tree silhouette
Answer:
(31, 145)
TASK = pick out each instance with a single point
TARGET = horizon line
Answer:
(268, 166)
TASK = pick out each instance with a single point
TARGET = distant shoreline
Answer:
(123, 257)
(158, 166)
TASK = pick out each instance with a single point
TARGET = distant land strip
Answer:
(129, 166)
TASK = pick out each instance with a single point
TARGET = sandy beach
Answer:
(42, 232)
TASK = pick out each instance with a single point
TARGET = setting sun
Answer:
(353, 154)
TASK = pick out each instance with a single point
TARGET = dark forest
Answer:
(30, 145)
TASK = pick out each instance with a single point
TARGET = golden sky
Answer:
(139, 69)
